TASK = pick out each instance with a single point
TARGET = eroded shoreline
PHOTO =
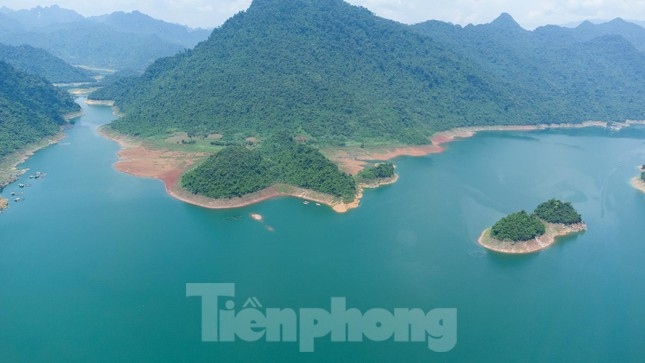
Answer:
(3, 204)
(138, 159)
(554, 231)
(637, 183)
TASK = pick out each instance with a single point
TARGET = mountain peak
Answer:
(505, 21)
(618, 21)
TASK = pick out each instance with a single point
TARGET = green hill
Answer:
(40, 63)
(237, 170)
(325, 69)
(519, 226)
(556, 211)
(30, 109)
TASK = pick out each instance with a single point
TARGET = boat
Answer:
(21, 185)
(305, 202)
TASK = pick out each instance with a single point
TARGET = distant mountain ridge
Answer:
(118, 40)
(138, 23)
(42, 16)
(338, 74)
(567, 77)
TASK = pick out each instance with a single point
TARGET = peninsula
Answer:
(238, 176)
(170, 158)
(522, 233)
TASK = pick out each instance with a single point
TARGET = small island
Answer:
(639, 183)
(3, 204)
(521, 232)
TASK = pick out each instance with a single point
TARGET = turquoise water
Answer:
(94, 263)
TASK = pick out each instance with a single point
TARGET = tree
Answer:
(556, 211)
(519, 226)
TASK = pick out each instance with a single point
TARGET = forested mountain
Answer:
(555, 76)
(119, 40)
(326, 69)
(30, 108)
(40, 63)
(337, 73)
(96, 45)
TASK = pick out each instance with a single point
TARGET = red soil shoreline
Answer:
(143, 161)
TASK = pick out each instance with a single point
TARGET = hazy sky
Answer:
(211, 13)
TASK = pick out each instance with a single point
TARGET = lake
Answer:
(94, 263)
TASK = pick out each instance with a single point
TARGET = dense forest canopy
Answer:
(556, 211)
(336, 73)
(326, 68)
(238, 170)
(522, 226)
(519, 226)
(30, 109)
(556, 74)
(232, 172)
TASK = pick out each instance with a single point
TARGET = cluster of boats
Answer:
(18, 199)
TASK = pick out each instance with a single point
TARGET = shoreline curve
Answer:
(138, 159)
(637, 183)
(554, 231)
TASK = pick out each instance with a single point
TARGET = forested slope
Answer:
(30, 109)
(337, 73)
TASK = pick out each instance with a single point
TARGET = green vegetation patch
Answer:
(556, 211)
(238, 170)
(30, 109)
(232, 172)
(519, 226)
(378, 171)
